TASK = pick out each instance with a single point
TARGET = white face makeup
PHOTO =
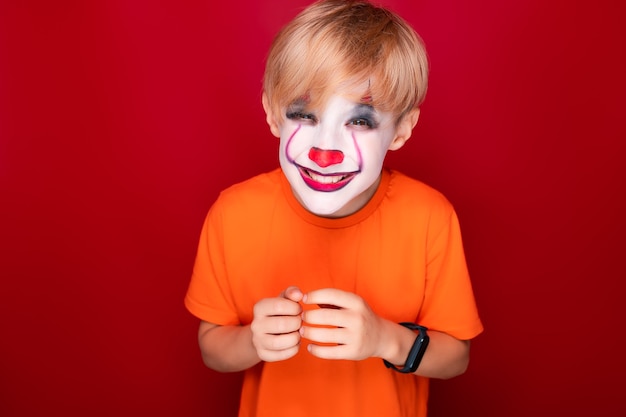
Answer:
(333, 157)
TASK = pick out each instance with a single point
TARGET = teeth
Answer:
(323, 179)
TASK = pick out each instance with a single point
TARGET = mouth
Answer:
(325, 182)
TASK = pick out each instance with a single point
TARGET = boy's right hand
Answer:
(276, 324)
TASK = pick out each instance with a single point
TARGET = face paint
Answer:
(333, 157)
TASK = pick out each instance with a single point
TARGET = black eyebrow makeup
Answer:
(296, 109)
(366, 112)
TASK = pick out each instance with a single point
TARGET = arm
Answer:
(445, 357)
(272, 336)
(359, 333)
(227, 348)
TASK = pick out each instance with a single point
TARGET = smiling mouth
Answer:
(325, 182)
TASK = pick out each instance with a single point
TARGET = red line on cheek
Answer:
(289, 143)
(358, 152)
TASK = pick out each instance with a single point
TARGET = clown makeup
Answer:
(333, 157)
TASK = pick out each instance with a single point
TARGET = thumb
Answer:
(292, 293)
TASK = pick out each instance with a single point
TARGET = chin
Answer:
(321, 208)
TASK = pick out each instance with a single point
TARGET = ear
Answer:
(405, 129)
(269, 116)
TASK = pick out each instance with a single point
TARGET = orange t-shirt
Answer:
(402, 253)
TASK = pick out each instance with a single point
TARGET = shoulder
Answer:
(404, 191)
(247, 212)
(256, 190)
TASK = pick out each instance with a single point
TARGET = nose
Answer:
(324, 158)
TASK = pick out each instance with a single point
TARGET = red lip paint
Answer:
(318, 186)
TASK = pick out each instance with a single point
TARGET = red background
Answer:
(121, 121)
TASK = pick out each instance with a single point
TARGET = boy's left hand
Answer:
(356, 332)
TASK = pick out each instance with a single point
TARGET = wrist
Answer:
(416, 352)
(396, 343)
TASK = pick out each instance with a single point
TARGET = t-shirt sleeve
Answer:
(449, 304)
(209, 296)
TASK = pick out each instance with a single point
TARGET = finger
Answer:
(330, 352)
(292, 293)
(280, 342)
(277, 307)
(276, 325)
(326, 317)
(324, 334)
(331, 297)
(278, 355)
(283, 324)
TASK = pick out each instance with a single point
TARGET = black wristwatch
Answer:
(417, 350)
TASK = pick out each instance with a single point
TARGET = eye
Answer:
(362, 122)
(301, 116)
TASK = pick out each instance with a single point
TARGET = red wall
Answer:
(120, 122)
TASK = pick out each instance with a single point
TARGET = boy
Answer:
(309, 275)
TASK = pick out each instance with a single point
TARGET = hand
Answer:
(356, 332)
(275, 326)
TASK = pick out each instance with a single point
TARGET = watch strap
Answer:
(417, 350)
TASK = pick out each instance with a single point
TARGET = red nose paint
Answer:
(324, 157)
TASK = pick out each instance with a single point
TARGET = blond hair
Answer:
(334, 44)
